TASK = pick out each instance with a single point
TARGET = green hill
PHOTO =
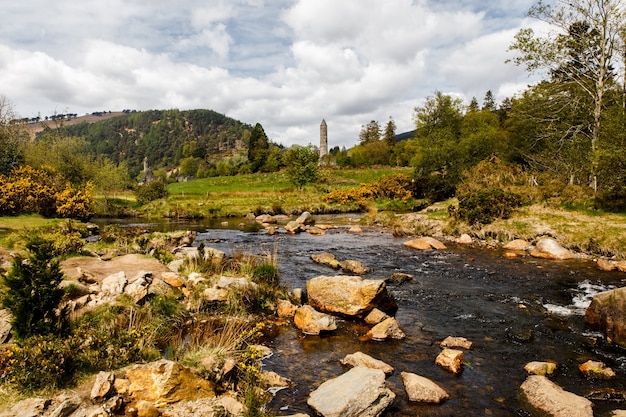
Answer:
(164, 137)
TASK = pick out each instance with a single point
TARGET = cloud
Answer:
(284, 63)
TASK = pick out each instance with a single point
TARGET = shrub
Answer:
(486, 205)
(151, 191)
(33, 294)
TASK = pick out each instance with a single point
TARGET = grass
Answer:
(9, 225)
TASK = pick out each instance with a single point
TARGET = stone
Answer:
(360, 392)
(195, 278)
(464, 239)
(607, 313)
(549, 248)
(349, 295)
(618, 413)
(366, 361)
(456, 342)
(294, 227)
(315, 231)
(137, 290)
(451, 360)
(265, 218)
(387, 329)
(5, 325)
(145, 409)
(518, 244)
(297, 295)
(231, 405)
(425, 243)
(621, 266)
(311, 321)
(173, 279)
(215, 294)
(113, 285)
(544, 396)
(420, 389)
(68, 404)
(596, 370)
(399, 278)
(165, 382)
(272, 380)
(354, 267)
(102, 386)
(285, 309)
(376, 316)
(30, 407)
(234, 282)
(327, 259)
(306, 219)
(606, 265)
(356, 229)
(540, 368)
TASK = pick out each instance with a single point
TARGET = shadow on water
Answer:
(513, 310)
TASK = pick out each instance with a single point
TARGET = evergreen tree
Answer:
(258, 148)
(489, 102)
(33, 294)
(390, 133)
(370, 133)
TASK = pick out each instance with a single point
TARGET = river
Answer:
(514, 311)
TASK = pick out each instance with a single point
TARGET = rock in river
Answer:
(349, 295)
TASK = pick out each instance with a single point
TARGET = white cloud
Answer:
(284, 63)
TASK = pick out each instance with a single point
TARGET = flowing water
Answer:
(513, 310)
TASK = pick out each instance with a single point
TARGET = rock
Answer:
(355, 229)
(311, 321)
(360, 392)
(456, 342)
(327, 259)
(5, 325)
(596, 370)
(305, 218)
(165, 382)
(349, 295)
(607, 312)
(451, 360)
(422, 389)
(464, 239)
(294, 227)
(114, 285)
(68, 404)
(30, 407)
(544, 396)
(366, 361)
(265, 218)
(618, 413)
(606, 265)
(144, 408)
(271, 379)
(231, 405)
(137, 290)
(354, 267)
(286, 309)
(376, 316)
(195, 278)
(387, 329)
(399, 278)
(173, 279)
(215, 294)
(102, 386)
(316, 231)
(175, 265)
(540, 368)
(621, 266)
(297, 295)
(425, 243)
(518, 244)
(548, 248)
(234, 282)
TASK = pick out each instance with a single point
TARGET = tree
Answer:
(12, 138)
(581, 51)
(302, 164)
(489, 102)
(258, 148)
(390, 133)
(370, 133)
(33, 294)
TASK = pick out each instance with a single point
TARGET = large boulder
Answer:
(549, 248)
(311, 321)
(360, 392)
(166, 382)
(545, 397)
(607, 312)
(327, 259)
(425, 243)
(349, 295)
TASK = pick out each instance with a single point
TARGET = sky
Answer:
(286, 64)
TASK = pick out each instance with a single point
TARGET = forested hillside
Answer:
(164, 137)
